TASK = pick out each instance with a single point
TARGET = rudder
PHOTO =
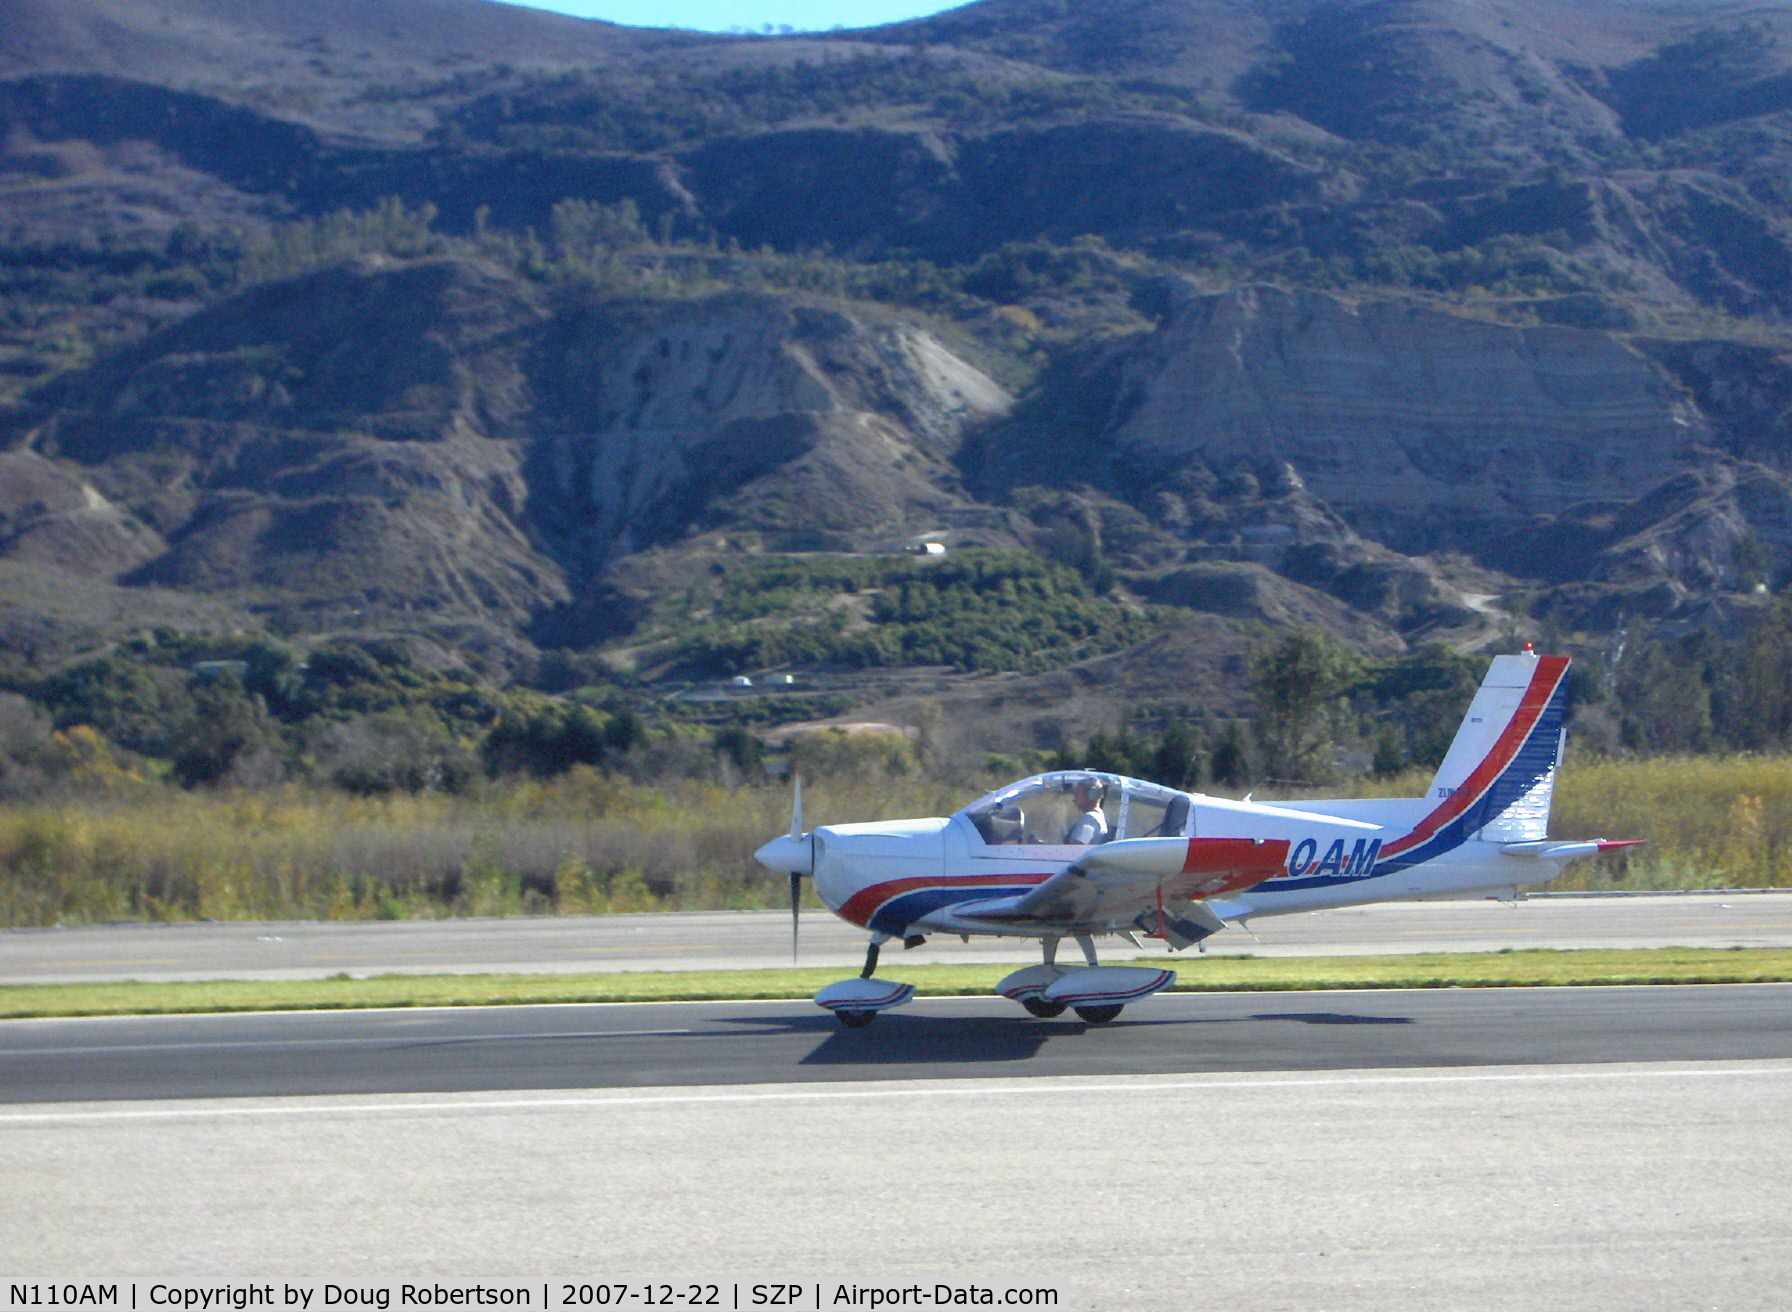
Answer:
(1506, 751)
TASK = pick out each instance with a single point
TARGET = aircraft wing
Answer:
(1134, 880)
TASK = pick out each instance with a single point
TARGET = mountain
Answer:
(1404, 319)
(376, 442)
(322, 61)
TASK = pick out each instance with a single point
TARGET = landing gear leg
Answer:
(1041, 1007)
(851, 1018)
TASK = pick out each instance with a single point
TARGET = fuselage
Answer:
(1125, 853)
(917, 876)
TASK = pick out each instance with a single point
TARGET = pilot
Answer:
(1092, 825)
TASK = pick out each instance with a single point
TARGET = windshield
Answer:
(1078, 808)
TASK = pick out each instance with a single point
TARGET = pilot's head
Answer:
(1088, 793)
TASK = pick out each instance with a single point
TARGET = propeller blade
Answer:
(796, 897)
(794, 855)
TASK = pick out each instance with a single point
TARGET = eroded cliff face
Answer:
(1311, 433)
(436, 445)
(1399, 415)
(754, 412)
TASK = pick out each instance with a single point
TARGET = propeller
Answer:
(796, 878)
(792, 854)
(796, 901)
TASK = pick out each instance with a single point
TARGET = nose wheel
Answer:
(856, 1002)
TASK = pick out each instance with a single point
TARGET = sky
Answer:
(752, 15)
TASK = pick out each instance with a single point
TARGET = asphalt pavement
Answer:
(724, 940)
(686, 1044)
(1512, 1148)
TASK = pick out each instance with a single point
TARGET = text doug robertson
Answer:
(337, 1296)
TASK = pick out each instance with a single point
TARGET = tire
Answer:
(1100, 1015)
(1043, 1009)
(856, 1020)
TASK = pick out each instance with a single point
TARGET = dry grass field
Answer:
(588, 842)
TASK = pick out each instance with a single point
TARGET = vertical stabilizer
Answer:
(1500, 771)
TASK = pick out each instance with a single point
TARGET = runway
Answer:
(679, 1045)
(1511, 1148)
(1511, 1187)
(723, 940)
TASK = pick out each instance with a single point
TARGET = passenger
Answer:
(1005, 824)
(1092, 825)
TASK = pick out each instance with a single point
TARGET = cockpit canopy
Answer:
(1046, 808)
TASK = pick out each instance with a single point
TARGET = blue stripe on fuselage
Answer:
(903, 910)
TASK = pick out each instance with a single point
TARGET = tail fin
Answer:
(1497, 777)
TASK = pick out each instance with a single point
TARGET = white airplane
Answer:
(1079, 853)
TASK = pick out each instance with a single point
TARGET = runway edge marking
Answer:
(892, 1090)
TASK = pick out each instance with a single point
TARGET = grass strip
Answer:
(1430, 970)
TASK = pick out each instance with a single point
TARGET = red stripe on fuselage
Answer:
(1230, 864)
(1536, 696)
(1216, 856)
(862, 905)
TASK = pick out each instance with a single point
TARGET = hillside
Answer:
(513, 334)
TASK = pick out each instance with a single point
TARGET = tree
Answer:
(409, 750)
(1666, 706)
(133, 704)
(1231, 763)
(548, 738)
(1298, 687)
(1178, 759)
(228, 728)
(273, 675)
(1077, 544)
(741, 746)
(1420, 696)
(1389, 758)
(1765, 680)
(1116, 753)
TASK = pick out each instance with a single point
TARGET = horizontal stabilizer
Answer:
(1562, 853)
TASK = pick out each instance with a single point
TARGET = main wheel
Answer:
(1043, 1009)
(1100, 1015)
(858, 1020)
